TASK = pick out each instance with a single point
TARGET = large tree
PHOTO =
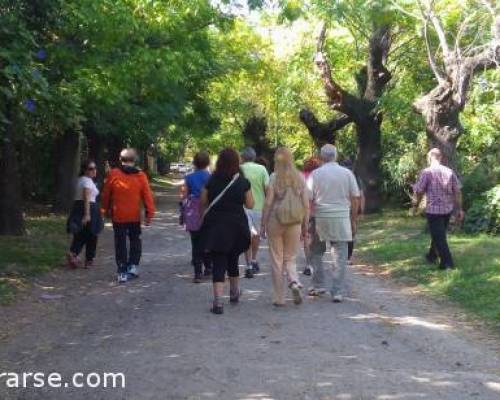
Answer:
(475, 47)
(362, 108)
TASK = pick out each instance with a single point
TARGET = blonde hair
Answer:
(285, 173)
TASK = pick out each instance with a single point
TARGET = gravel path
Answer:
(382, 343)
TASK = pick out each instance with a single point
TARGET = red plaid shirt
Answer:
(440, 185)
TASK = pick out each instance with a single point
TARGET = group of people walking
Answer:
(239, 204)
(228, 212)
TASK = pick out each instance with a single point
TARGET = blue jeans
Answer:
(339, 252)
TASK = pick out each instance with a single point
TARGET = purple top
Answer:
(440, 185)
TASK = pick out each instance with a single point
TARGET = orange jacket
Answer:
(124, 191)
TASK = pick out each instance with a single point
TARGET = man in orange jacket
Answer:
(124, 191)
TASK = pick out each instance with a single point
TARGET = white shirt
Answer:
(331, 188)
(84, 182)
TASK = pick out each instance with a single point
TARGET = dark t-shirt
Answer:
(232, 201)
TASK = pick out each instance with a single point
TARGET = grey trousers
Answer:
(339, 252)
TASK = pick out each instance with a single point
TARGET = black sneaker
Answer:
(249, 273)
(255, 267)
(307, 271)
(198, 278)
(217, 309)
(207, 273)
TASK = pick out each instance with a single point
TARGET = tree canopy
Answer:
(86, 77)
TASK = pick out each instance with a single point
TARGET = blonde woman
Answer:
(284, 219)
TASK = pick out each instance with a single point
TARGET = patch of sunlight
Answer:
(259, 396)
(400, 396)
(406, 321)
(495, 386)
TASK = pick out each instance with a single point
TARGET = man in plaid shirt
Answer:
(443, 195)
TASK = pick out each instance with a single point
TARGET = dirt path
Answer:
(382, 343)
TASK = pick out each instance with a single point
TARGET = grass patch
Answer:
(397, 243)
(40, 250)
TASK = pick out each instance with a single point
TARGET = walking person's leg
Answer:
(233, 272)
(134, 234)
(339, 257)
(438, 225)
(196, 256)
(120, 234)
(75, 249)
(317, 249)
(220, 266)
(291, 243)
(275, 240)
(90, 248)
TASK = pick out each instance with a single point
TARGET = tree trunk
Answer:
(442, 122)
(11, 214)
(67, 155)
(368, 162)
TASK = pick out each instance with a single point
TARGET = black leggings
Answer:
(84, 238)
(223, 262)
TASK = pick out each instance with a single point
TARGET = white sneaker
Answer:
(338, 298)
(133, 270)
(122, 278)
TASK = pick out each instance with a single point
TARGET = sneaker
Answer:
(308, 270)
(122, 278)
(338, 298)
(314, 292)
(198, 278)
(132, 271)
(296, 293)
(249, 273)
(217, 308)
(234, 297)
(255, 267)
(88, 263)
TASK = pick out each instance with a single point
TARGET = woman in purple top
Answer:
(193, 185)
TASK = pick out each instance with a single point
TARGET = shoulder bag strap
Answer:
(216, 200)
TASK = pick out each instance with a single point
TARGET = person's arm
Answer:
(268, 204)
(203, 200)
(419, 190)
(305, 221)
(249, 200)
(106, 196)
(147, 198)
(355, 198)
(86, 206)
(362, 203)
(184, 190)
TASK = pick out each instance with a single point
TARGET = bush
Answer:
(484, 214)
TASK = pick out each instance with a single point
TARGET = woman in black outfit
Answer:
(225, 228)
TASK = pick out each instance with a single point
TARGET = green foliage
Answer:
(41, 250)
(484, 213)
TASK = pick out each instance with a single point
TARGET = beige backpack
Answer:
(289, 208)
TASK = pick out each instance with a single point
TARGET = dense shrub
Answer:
(484, 214)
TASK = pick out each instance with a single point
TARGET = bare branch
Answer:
(334, 92)
(432, 60)
(404, 11)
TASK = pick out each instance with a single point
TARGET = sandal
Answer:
(313, 292)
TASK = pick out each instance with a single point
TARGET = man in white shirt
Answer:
(335, 195)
